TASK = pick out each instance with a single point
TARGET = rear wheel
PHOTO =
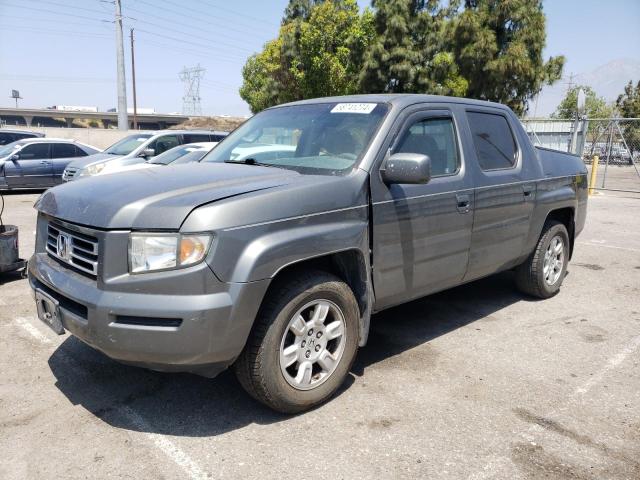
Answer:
(303, 343)
(541, 275)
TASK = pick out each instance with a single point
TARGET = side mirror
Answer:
(407, 168)
(148, 152)
(14, 157)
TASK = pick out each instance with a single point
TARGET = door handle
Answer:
(45, 162)
(464, 203)
(527, 191)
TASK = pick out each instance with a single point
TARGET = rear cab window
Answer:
(493, 139)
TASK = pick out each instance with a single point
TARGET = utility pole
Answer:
(123, 120)
(133, 78)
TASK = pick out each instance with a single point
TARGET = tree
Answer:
(628, 104)
(408, 54)
(498, 47)
(487, 49)
(595, 106)
(317, 53)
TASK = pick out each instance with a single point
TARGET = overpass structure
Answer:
(37, 117)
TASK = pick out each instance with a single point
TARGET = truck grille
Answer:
(69, 173)
(73, 248)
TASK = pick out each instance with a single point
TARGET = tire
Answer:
(531, 276)
(261, 367)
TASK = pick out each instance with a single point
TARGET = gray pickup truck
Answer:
(271, 254)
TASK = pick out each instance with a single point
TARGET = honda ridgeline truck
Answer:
(273, 262)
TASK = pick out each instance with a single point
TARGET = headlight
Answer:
(94, 169)
(151, 252)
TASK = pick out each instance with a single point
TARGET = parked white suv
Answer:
(134, 149)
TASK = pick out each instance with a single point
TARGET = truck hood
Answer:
(82, 162)
(155, 198)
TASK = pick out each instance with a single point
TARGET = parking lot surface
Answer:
(478, 382)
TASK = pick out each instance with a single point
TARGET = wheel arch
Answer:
(350, 265)
(566, 216)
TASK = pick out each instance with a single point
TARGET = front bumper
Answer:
(201, 333)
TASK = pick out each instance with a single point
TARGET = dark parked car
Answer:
(274, 263)
(38, 162)
(9, 136)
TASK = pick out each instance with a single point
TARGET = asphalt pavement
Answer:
(478, 382)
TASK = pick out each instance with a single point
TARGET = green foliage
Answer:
(488, 49)
(317, 53)
(596, 107)
(498, 46)
(409, 53)
(628, 105)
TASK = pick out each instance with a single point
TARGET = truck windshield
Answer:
(322, 138)
(128, 144)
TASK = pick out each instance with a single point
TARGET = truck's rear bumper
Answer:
(200, 334)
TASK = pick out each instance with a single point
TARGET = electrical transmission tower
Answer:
(191, 77)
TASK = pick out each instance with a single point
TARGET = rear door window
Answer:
(80, 152)
(195, 137)
(165, 143)
(63, 150)
(35, 151)
(493, 140)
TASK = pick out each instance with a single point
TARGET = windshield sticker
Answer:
(354, 108)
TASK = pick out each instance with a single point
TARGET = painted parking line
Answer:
(28, 326)
(595, 243)
(610, 365)
(161, 442)
(495, 466)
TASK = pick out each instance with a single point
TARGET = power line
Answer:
(56, 32)
(191, 35)
(53, 12)
(189, 26)
(56, 4)
(175, 39)
(200, 13)
(240, 14)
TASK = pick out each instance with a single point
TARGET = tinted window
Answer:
(165, 143)
(7, 138)
(196, 137)
(63, 150)
(436, 138)
(217, 138)
(35, 151)
(493, 140)
(80, 152)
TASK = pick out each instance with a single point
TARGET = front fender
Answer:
(259, 252)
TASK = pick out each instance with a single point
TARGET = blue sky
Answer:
(62, 51)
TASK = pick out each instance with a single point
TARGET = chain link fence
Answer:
(615, 141)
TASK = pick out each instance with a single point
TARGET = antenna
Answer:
(191, 101)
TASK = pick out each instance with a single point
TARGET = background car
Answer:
(9, 136)
(136, 149)
(192, 152)
(38, 162)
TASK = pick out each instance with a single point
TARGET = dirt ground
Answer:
(475, 383)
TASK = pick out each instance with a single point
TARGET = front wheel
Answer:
(541, 275)
(303, 343)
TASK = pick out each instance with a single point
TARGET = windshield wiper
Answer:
(251, 161)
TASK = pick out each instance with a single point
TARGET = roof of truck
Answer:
(399, 99)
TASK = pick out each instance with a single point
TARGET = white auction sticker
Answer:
(353, 108)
